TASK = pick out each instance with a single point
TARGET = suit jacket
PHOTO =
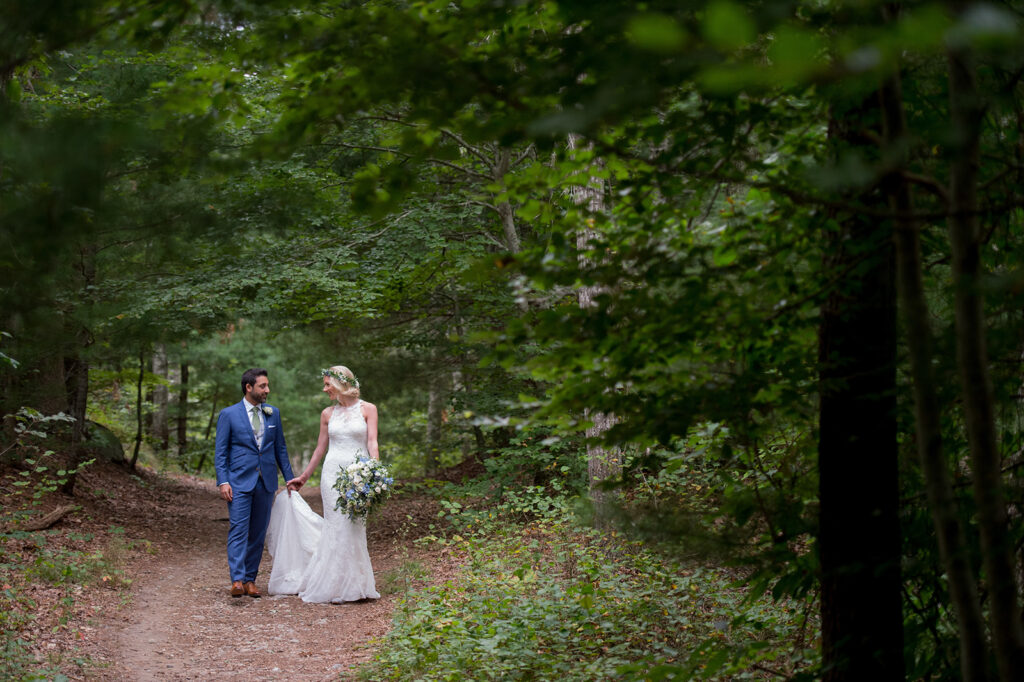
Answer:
(237, 458)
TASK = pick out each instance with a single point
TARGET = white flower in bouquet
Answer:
(362, 486)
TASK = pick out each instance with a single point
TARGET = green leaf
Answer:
(727, 25)
(656, 32)
(795, 52)
(724, 256)
(14, 90)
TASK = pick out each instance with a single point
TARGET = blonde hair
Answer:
(344, 388)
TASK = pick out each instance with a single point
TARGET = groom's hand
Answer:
(225, 491)
(293, 485)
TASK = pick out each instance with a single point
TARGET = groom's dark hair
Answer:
(249, 378)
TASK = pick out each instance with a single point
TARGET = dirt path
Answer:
(181, 623)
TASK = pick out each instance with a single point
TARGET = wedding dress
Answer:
(323, 559)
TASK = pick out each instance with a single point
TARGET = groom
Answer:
(249, 450)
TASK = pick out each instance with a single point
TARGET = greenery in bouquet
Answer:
(362, 486)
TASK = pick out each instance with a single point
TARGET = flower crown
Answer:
(351, 381)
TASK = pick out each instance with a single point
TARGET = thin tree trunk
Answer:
(938, 485)
(161, 395)
(503, 159)
(183, 413)
(80, 373)
(508, 224)
(603, 464)
(435, 405)
(78, 381)
(972, 359)
(859, 534)
(138, 407)
(481, 443)
(209, 429)
(213, 416)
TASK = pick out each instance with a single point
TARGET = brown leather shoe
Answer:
(237, 589)
(250, 589)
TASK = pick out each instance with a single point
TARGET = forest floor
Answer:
(172, 618)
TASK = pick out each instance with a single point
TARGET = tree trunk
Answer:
(78, 375)
(508, 224)
(603, 464)
(183, 412)
(161, 396)
(938, 485)
(499, 169)
(138, 408)
(481, 443)
(972, 360)
(78, 393)
(435, 412)
(460, 388)
(859, 535)
(48, 390)
(40, 380)
(209, 429)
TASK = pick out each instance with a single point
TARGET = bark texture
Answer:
(859, 537)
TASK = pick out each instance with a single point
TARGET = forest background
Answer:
(744, 277)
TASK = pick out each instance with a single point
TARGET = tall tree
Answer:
(604, 463)
(966, 117)
(859, 540)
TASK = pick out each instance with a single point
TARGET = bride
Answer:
(325, 559)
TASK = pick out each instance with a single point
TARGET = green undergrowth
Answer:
(44, 578)
(547, 599)
(46, 575)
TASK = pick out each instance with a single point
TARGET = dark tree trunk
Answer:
(138, 408)
(209, 430)
(481, 443)
(859, 537)
(972, 360)
(183, 412)
(77, 369)
(40, 381)
(938, 485)
(78, 374)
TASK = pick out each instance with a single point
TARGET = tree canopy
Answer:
(793, 226)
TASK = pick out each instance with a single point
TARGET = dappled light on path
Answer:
(182, 624)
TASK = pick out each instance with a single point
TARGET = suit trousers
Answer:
(249, 516)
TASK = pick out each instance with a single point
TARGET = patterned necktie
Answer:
(256, 421)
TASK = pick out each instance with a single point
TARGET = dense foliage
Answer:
(688, 225)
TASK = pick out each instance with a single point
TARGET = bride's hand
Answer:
(294, 484)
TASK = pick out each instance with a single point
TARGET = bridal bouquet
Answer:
(363, 486)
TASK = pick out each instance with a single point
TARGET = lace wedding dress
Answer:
(323, 559)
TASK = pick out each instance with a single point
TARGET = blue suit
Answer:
(252, 472)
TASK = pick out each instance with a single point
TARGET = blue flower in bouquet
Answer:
(362, 486)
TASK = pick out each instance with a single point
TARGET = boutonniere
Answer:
(269, 411)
